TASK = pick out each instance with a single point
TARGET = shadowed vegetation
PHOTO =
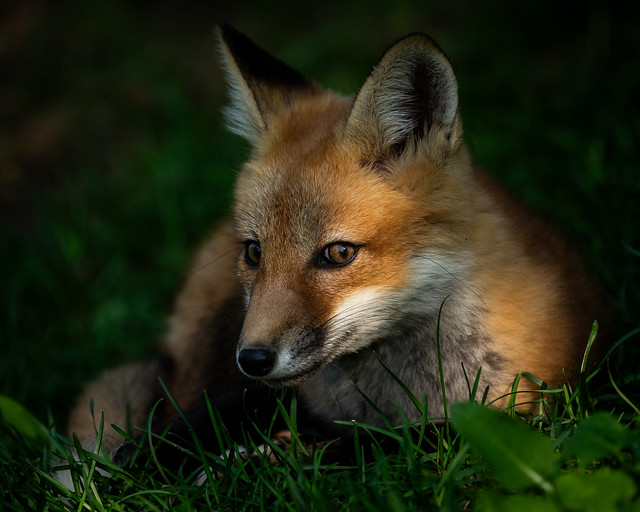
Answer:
(114, 164)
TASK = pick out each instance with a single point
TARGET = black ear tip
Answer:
(256, 64)
(422, 40)
(223, 28)
(229, 33)
(417, 36)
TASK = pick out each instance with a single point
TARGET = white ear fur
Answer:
(260, 85)
(398, 107)
(242, 114)
(411, 93)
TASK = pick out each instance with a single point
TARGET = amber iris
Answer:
(339, 254)
(252, 253)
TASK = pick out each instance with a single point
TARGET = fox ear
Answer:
(260, 85)
(411, 96)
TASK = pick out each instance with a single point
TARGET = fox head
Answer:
(348, 211)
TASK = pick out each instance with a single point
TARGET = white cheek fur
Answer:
(367, 314)
(434, 277)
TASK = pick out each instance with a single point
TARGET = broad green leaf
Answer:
(596, 437)
(21, 419)
(516, 455)
(603, 491)
(498, 502)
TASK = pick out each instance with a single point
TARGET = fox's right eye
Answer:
(252, 253)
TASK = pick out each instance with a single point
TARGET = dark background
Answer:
(114, 161)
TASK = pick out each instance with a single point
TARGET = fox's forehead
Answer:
(313, 201)
(306, 129)
(302, 198)
(307, 186)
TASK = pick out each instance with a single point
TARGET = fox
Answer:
(364, 250)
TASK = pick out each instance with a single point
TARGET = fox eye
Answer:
(338, 254)
(252, 253)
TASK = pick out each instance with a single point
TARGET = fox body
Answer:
(361, 235)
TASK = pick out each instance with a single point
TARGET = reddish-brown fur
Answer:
(429, 230)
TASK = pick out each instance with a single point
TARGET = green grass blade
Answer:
(623, 396)
(22, 420)
(405, 388)
(618, 343)
(441, 372)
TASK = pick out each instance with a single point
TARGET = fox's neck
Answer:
(448, 340)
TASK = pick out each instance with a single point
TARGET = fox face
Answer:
(342, 211)
(319, 282)
(364, 234)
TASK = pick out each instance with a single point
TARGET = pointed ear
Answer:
(410, 97)
(260, 85)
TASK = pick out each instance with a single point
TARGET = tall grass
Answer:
(567, 457)
(114, 164)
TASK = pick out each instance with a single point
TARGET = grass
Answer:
(114, 164)
(570, 457)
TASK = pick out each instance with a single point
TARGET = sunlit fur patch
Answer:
(375, 313)
(356, 320)
(434, 277)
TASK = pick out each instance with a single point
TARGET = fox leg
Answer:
(124, 395)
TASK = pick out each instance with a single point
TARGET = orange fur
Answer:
(386, 177)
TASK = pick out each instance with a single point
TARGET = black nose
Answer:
(256, 362)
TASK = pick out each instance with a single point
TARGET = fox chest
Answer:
(391, 378)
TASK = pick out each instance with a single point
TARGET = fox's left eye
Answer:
(338, 254)
(252, 253)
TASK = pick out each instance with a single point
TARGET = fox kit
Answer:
(363, 246)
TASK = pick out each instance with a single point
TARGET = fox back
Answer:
(365, 249)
